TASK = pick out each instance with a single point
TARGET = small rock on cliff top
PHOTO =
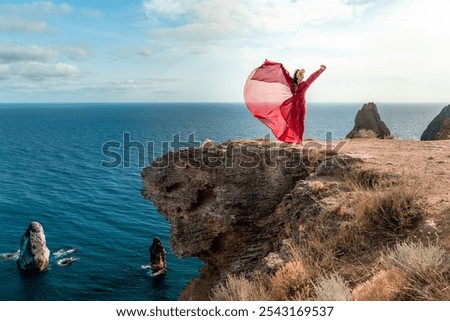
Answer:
(369, 119)
(439, 128)
(34, 254)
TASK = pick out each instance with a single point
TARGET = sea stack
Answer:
(157, 256)
(439, 128)
(34, 254)
(368, 119)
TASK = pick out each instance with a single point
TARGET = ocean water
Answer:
(54, 171)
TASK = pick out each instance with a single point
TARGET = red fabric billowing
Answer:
(269, 95)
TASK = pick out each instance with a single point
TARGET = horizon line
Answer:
(213, 102)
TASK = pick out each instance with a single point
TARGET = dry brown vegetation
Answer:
(365, 133)
(356, 244)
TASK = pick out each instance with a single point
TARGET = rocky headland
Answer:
(439, 127)
(287, 222)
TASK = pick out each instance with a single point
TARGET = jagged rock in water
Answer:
(369, 119)
(66, 261)
(157, 256)
(220, 203)
(439, 127)
(34, 254)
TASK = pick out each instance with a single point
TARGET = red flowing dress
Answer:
(270, 96)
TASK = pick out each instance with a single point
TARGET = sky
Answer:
(204, 50)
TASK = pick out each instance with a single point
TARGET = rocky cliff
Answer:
(439, 127)
(238, 205)
(368, 119)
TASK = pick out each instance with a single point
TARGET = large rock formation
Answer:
(219, 202)
(439, 128)
(444, 131)
(157, 256)
(285, 218)
(34, 254)
(368, 119)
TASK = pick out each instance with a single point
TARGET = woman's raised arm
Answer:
(315, 74)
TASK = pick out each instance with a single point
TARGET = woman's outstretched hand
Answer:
(323, 67)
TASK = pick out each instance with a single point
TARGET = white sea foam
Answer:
(149, 271)
(10, 256)
(63, 252)
(158, 273)
(67, 261)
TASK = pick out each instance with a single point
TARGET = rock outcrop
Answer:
(158, 262)
(439, 127)
(279, 218)
(34, 254)
(368, 119)
(220, 203)
(444, 131)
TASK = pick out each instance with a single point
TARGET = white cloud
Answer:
(37, 7)
(4, 69)
(375, 50)
(35, 63)
(147, 52)
(12, 53)
(168, 7)
(129, 84)
(19, 25)
(40, 71)
(225, 28)
(27, 17)
(252, 15)
(78, 53)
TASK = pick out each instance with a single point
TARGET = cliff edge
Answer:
(286, 217)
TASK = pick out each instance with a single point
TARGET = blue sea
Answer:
(54, 170)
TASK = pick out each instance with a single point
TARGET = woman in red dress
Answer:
(278, 100)
(295, 114)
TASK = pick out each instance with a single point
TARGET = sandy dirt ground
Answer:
(423, 165)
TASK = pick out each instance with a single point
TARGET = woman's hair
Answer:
(302, 73)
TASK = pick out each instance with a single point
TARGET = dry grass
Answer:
(291, 280)
(316, 186)
(383, 286)
(332, 288)
(386, 213)
(342, 243)
(364, 133)
(426, 269)
(357, 179)
(412, 271)
(238, 288)
(416, 256)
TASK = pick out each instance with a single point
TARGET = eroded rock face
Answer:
(34, 254)
(439, 127)
(369, 119)
(444, 131)
(219, 202)
(157, 256)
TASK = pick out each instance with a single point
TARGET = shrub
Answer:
(292, 280)
(365, 133)
(426, 269)
(331, 288)
(383, 286)
(416, 257)
(238, 288)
